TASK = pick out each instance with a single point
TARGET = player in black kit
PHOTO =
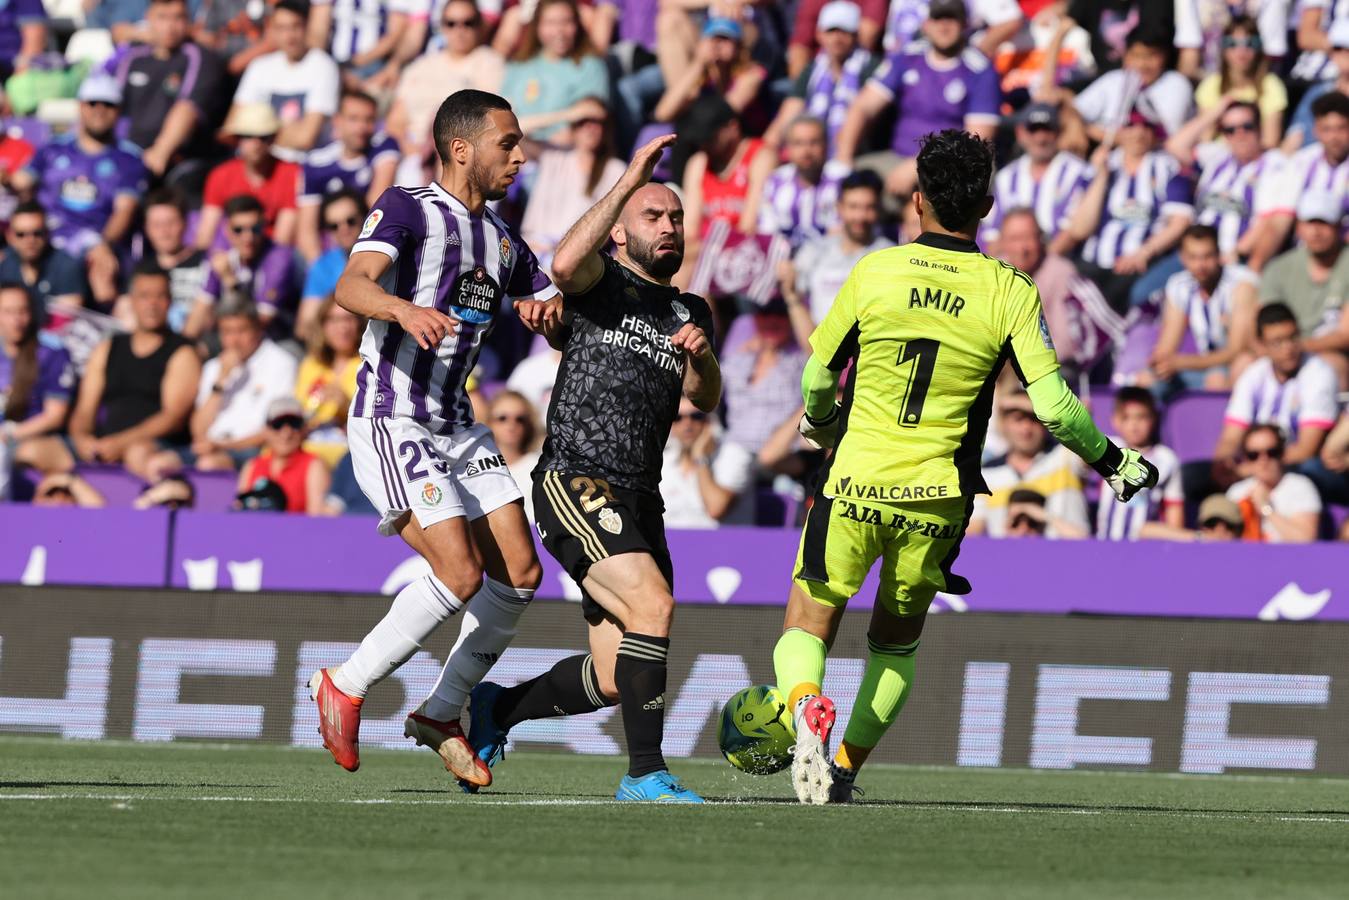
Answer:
(631, 345)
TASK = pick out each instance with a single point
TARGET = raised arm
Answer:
(576, 261)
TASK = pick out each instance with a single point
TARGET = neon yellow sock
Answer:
(885, 687)
(798, 662)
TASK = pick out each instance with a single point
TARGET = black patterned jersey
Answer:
(620, 380)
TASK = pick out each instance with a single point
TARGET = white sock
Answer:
(416, 612)
(489, 625)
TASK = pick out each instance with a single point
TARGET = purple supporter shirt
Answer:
(55, 376)
(962, 91)
(78, 189)
(1136, 205)
(14, 14)
(1052, 198)
(1229, 195)
(636, 20)
(271, 280)
(326, 171)
(799, 211)
(827, 97)
(447, 258)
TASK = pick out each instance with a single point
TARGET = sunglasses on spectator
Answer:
(1263, 453)
(246, 229)
(507, 417)
(348, 222)
(100, 104)
(1239, 126)
(24, 235)
(459, 23)
(1250, 43)
(698, 416)
(1037, 127)
(1210, 524)
(286, 422)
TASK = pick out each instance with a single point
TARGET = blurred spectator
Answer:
(800, 198)
(721, 66)
(702, 476)
(811, 279)
(1134, 211)
(1135, 423)
(166, 237)
(1144, 84)
(15, 152)
(464, 62)
(513, 22)
(327, 380)
(1312, 279)
(253, 265)
(567, 182)
(256, 172)
(124, 20)
(534, 376)
(761, 379)
(1276, 505)
(1322, 167)
(1219, 519)
(555, 69)
(236, 389)
(234, 29)
(341, 213)
(515, 428)
(1207, 318)
(50, 276)
(1244, 76)
(366, 38)
(826, 86)
(170, 492)
(301, 476)
(1043, 179)
(992, 21)
(724, 178)
(137, 390)
(360, 158)
(1331, 471)
(1284, 387)
(1314, 25)
(67, 489)
(1044, 51)
(815, 19)
(36, 384)
(89, 183)
(1236, 176)
(175, 91)
(1033, 465)
(1083, 327)
(1300, 129)
(299, 82)
(23, 35)
(1200, 27)
(940, 84)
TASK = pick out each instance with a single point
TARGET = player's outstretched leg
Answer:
(798, 662)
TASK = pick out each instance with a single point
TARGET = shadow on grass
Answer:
(971, 806)
(126, 784)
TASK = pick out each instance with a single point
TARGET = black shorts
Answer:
(582, 520)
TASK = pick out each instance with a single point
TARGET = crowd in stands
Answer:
(181, 181)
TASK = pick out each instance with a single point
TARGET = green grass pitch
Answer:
(105, 820)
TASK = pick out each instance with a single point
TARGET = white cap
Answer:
(253, 120)
(1321, 206)
(840, 15)
(1339, 34)
(100, 88)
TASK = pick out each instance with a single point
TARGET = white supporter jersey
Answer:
(1308, 398)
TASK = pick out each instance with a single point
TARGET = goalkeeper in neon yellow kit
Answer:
(929, 326)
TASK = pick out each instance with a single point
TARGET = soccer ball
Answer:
(756, 734)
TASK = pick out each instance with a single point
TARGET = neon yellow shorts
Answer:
(915, 542)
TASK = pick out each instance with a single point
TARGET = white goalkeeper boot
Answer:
(811, 774)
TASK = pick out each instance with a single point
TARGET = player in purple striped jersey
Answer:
(431, 270)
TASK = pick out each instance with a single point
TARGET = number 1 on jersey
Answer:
(923, 353)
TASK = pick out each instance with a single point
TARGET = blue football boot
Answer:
(486, 739)
(658, 787)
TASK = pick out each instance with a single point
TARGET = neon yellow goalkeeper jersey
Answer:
(930, 324)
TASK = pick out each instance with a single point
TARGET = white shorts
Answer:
(401, 465)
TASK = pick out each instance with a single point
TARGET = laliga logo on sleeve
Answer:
(371, 221)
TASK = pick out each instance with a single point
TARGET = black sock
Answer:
(640, 676)
(569, 688)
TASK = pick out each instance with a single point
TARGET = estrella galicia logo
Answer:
(475, 296)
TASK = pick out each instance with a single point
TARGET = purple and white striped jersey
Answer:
(1052, 197)
(462, 264)
(1120, 521)
(1315, 65)
(799, 211)
(828, 98)
(326, 171)
(1308, 399)
(1230, 195)
(358, 25)
(1210, 316)
(1308, 171)
(1136, 205)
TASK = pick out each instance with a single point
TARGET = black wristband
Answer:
(816, 423)
(1110, 460)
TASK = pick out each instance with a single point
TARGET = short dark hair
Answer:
(862, 180)
(1273, 314)
(149, 268)
(1148, 35)
(166, 196)
(954, 173)
(299, 7)
(353, 94)
(1200, 233)
(237, 303)
(462, 115)
(29, 208)
(1142, 396)
(162, 2)
(13, 286)
(1273, 429)
(337, 196)
(1246, 105)
(1330, 102)
(242, 203)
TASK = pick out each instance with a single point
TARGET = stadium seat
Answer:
(1192, 422)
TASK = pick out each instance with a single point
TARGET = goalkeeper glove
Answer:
(820, 433)
(1126, 471)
